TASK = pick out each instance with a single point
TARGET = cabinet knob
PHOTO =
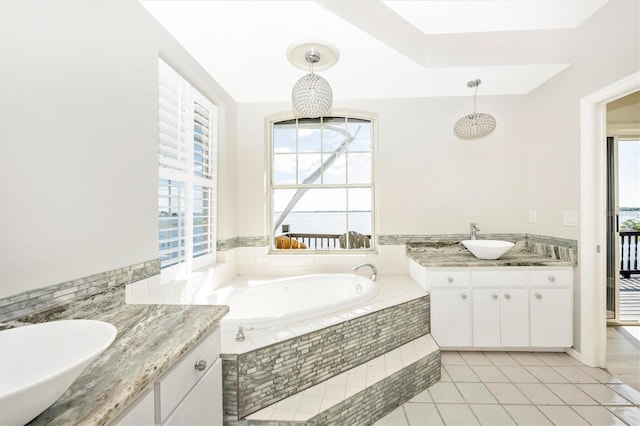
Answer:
(538, 296)
(494, 296)
(507, 296)
(463, 295)
(552, 278)
(450, 279)
(201, 365)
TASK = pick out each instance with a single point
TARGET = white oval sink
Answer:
(39, 362)
(488, 249)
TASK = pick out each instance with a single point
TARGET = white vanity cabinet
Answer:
(189, 393)
(500, 317)
(499, 307)
(551, 320)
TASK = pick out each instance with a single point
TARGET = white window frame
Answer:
(271, 122)
(176, 163)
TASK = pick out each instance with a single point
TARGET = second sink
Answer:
(488, 249)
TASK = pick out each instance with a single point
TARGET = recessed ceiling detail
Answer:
(386, 50)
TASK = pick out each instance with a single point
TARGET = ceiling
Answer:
(388, 49)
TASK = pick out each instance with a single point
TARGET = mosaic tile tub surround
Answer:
(29, 302)
(261, 377)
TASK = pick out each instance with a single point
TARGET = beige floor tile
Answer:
(445, 392)
(597, 415)
(489, 374)
(493, 415)
(575, 374)
(457, 414)
(475, 358)
(281, 414)
(570, 394)
(394, 418)
(538, 393)
(328, 403)
(423, 396)
(601, 375)
(310, 404)
(451, 358)
(546, 374)
(526, 358)
(501, 358)
(461, 373)
(476, 393)
(444, 376)
(557, 359)
(603, 394)
(422, 414)
(507, 393)
(527, 415)
(562, 415)
(518, 374)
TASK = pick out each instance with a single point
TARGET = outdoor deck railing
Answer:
(318, 241)
(629, 253)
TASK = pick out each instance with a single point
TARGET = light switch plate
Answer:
(570, 218)
(533, 216)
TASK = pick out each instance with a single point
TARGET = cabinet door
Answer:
(551, 317)
(451, 316)
(203, 404)
(486, 318)
(514, 317)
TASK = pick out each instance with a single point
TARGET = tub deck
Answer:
(393, 290)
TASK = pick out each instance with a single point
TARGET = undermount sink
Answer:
(488, 249)
(39, 362)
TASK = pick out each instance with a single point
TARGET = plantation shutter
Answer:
(175, 116)
(187, 160)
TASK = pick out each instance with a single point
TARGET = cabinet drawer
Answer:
(551, 277)
(447, 278)
(499, 278)
(175, 384)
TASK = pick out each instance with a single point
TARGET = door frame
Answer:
(592, 254)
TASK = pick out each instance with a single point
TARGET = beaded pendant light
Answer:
(312, 96)
(477, 124)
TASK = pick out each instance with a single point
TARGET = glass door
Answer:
(613, 237)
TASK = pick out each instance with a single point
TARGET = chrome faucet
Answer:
(473, 229)
(374, 270)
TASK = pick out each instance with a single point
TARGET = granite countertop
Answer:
(446, 254)
(150, 339)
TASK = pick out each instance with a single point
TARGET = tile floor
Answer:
(519, 388)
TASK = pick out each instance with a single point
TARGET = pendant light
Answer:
(311, 96)
(477, 124)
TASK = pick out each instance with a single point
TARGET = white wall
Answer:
(606, 49)
(427, 180)
(78, 139)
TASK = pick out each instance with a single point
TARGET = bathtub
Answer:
(270, 303)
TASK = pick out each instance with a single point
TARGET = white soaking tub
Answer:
(270, 303)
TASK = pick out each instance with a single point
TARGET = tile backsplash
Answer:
(28, 302)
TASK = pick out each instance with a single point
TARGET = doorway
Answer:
(592, 262)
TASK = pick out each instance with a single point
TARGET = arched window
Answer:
(322, 192)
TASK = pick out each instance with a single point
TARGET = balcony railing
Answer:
(323, 241)
(629, 253)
